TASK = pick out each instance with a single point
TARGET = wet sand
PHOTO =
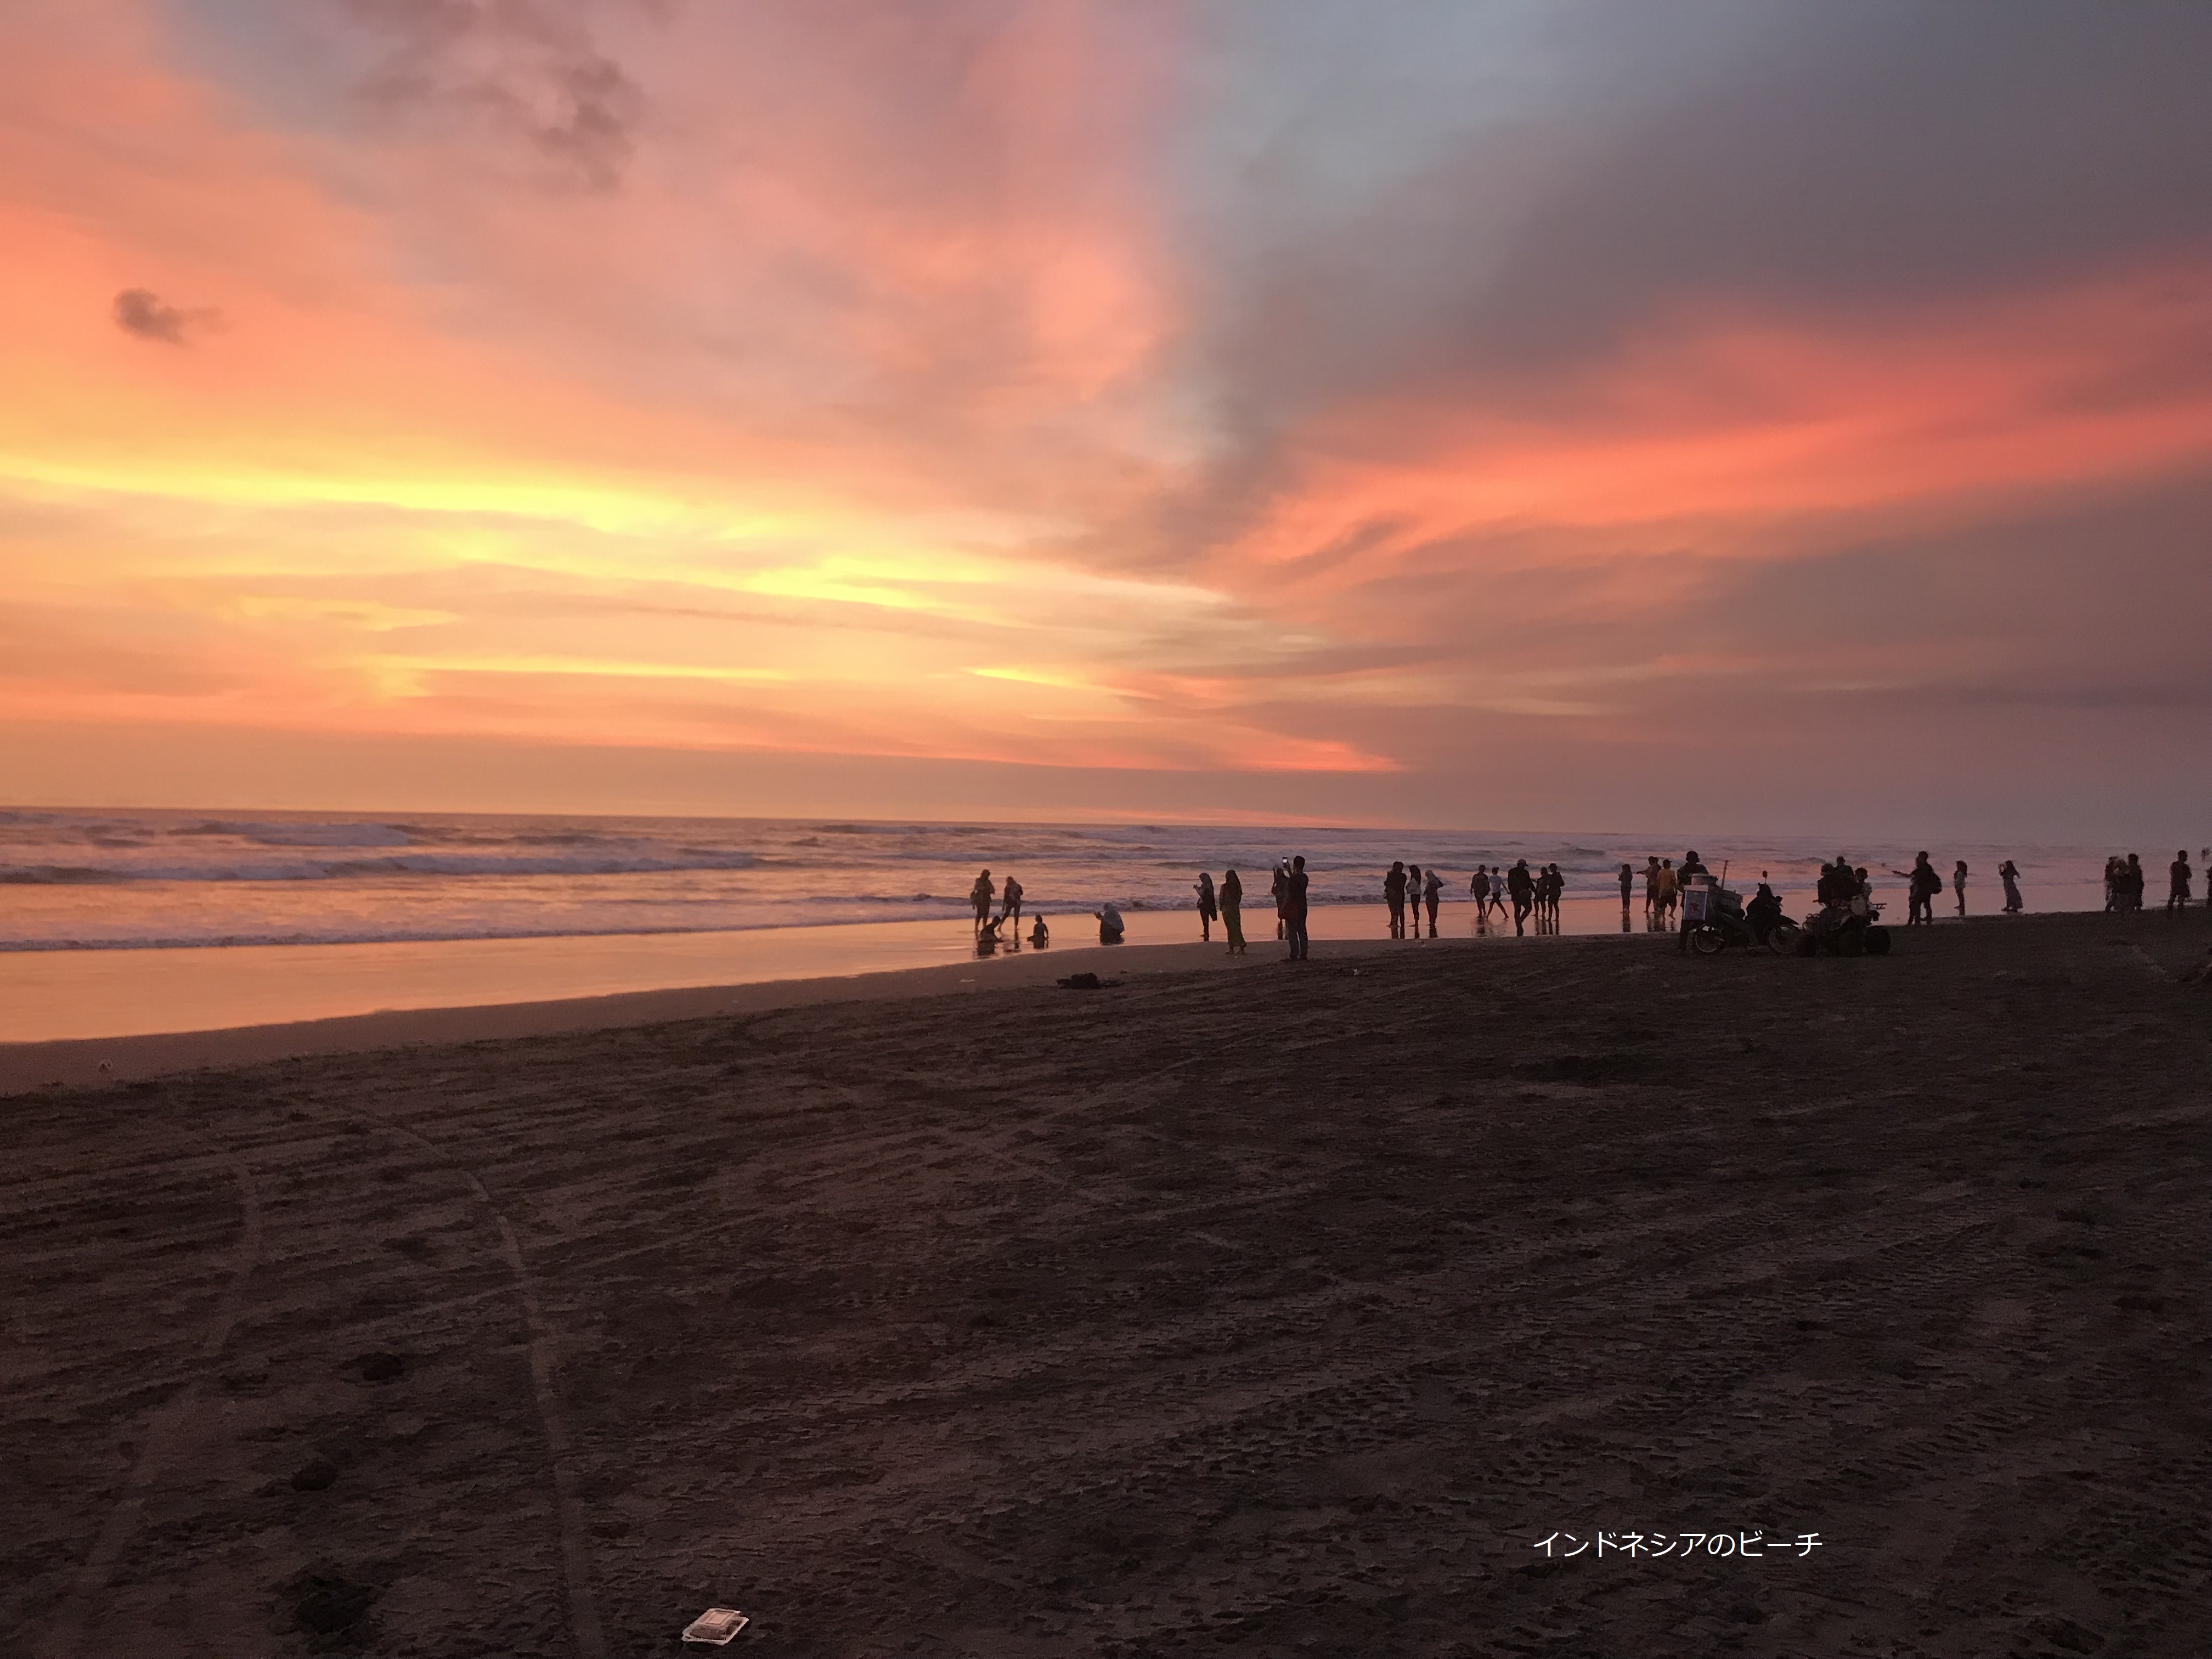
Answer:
(76, 995)
(1274, 1312)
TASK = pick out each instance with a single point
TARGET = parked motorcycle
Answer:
(1721, 919)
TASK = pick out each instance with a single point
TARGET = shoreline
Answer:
(31, 1065)
(115, 993)
(77, 1062)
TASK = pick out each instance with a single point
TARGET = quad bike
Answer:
(1851, 929)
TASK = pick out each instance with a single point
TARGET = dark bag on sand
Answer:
(1079, 982)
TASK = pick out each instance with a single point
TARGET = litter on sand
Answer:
(714, 1627)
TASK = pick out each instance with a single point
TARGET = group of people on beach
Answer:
(990, 931)
(2124, 880)
(1533, 894)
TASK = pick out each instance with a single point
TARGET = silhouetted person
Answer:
(1232, 912)
(2176, 897)
(1432, 890)
(1109, 924)
(1040, 935)
(1522, 887)
(1551, 884)
(1921, 885)
(2131, 884)
(1837, 885)
(1763, 911)
(981, 896)
(1294, 908)
(1394, 896)
(1627, 883)
(1478, 889)
(1651, 885)
(1413, 898)
(1282, 888)
(2010, 875)
(1207, 906)
(987, 937)
(1692, 866)
(1010, 903)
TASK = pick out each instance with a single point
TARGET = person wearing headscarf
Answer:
(1232, 907)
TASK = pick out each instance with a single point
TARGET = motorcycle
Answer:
(1724, 920)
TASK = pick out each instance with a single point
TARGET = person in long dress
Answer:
(1232, 907)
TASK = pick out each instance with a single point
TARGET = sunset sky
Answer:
(1544, 415)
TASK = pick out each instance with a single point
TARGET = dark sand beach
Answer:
(1270, 1312)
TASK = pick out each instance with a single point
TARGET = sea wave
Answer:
(338, 833)
(410, 863)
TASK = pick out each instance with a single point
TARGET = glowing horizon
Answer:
(1456, 412)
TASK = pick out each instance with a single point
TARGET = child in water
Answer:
(1040, 935)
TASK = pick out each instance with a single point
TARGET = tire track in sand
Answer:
(567, 1499)
(64, 1638)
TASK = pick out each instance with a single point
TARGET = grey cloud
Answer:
(529, 67)
(144, 312)
(1877, 151)
(1806, 154)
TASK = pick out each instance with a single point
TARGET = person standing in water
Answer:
(1394, 897)
(2176, 897)
(1958, 884)
(1413, 898)
(1294, 908)
(1206, 906)
(2010, 875)
(1627, 885)
(1522, 886)
(1432, 892)
(981, 896)
(1012, 902)
(1232, 907)
(1282, 890)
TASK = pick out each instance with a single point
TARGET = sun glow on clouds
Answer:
(834, 379)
